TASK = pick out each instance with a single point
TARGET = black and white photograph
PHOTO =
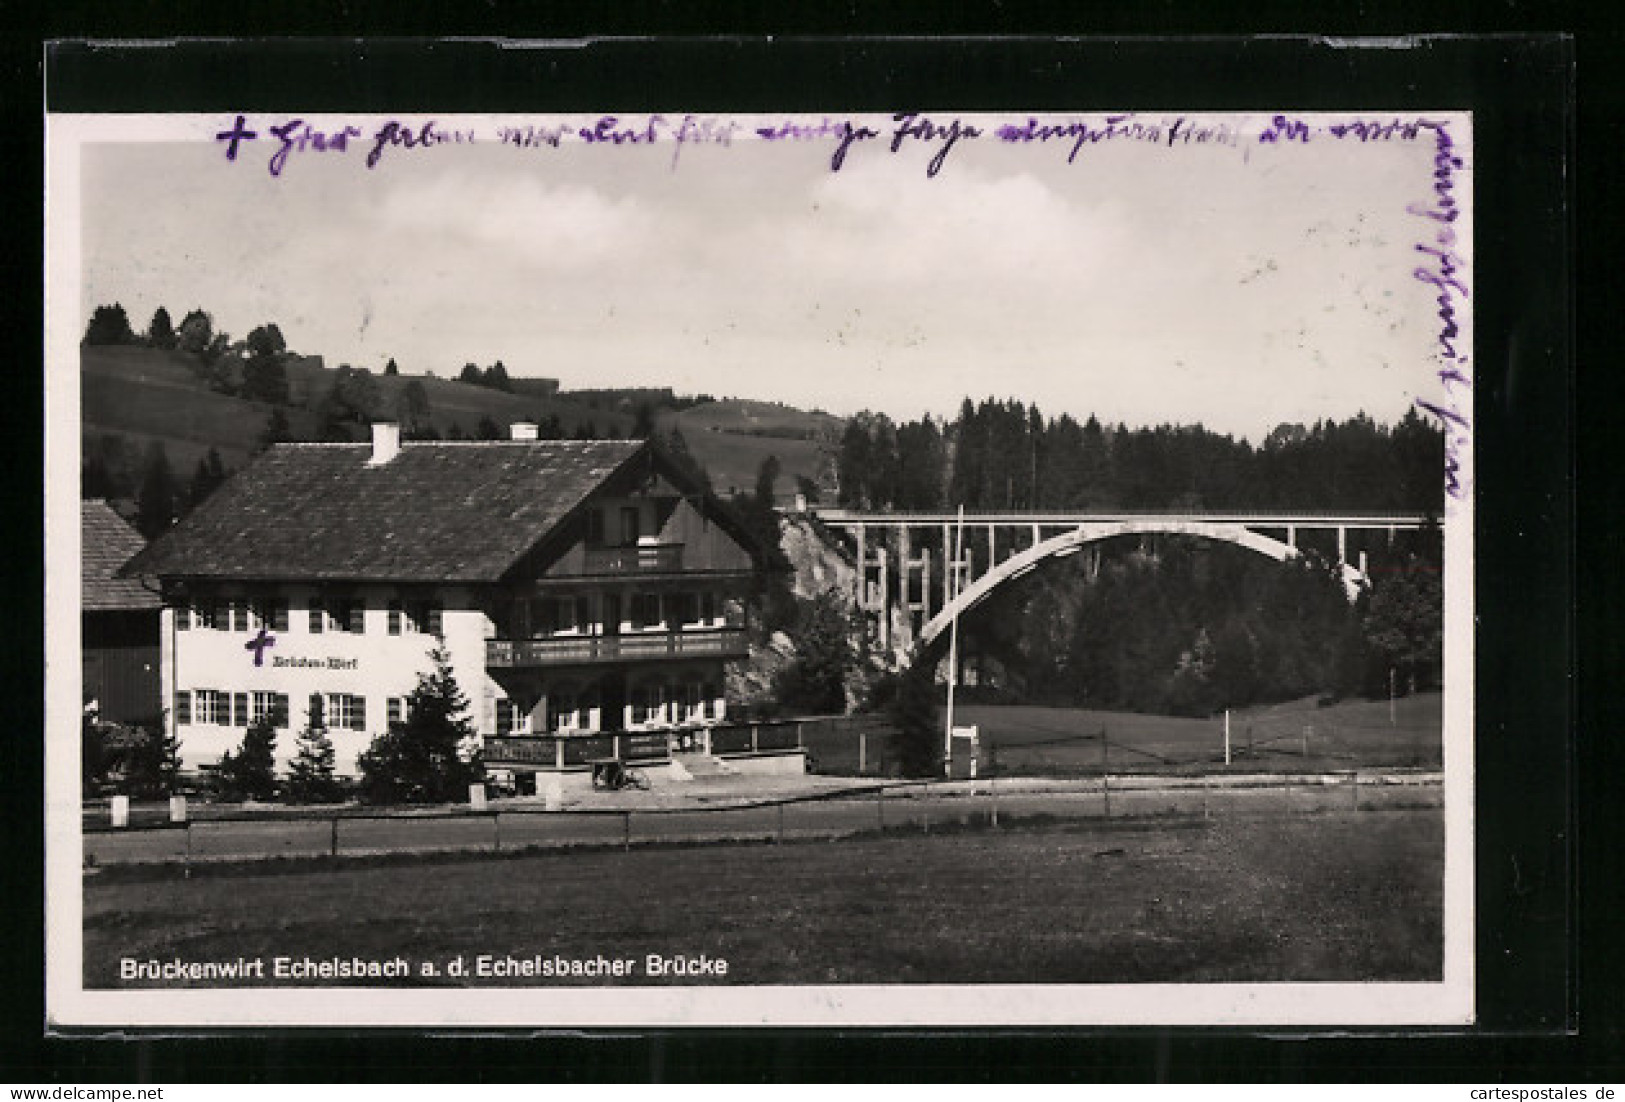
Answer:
(926, 568)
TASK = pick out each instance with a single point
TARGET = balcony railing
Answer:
(576, 751)
(660, 558)
(575, 650)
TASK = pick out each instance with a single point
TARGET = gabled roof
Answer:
(435, 512)
(107, 543)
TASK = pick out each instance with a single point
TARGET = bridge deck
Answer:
(1273, 519)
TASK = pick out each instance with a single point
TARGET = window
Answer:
(268, 705)
(395, 708)
(629, 525)
(394, 619)
(268, 612)
(239, 709)
(317, 617)
(183, 617)
(239, 614)
(183, 707)
(345, 711)
(513, 718)
(424, 616)
(212, 707)
(563, 711)
(685, 608)
(649, 704)
(693, 702)
(646, 610)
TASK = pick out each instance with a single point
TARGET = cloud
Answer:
(548, 225)
(886, 221)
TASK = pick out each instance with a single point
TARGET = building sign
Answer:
(316, 663)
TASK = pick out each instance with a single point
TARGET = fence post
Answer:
(781, 824)
(1354, 787)
(800, 745)
(188, 828)
(626, 831)
(880, 805)
(333, 850)
(993, 799)
(754, 732)
(496, 830)
(1106, 792)
(863, 753)
(558, 754)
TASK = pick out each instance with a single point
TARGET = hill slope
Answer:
(138, 396)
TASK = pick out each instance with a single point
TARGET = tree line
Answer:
(1008, 455)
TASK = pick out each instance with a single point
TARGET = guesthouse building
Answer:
(586, 595)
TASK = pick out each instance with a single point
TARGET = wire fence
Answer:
(921, 806)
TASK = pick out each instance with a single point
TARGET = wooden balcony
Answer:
(643, 558)
(508, 654)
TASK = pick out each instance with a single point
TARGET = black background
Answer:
(1544, 1004)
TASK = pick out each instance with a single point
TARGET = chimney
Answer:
(522, 430)
(386, 442)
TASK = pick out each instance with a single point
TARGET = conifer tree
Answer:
(155, 503)
(249, 773)
(430, 757)
(161, 331)
(310, 775)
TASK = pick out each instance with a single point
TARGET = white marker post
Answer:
(119, 808)
(177, 809)
(476, 797)
(953, 648)
(1227, 736)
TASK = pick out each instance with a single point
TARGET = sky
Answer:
(1237, 285)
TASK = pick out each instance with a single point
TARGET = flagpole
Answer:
(953, 645)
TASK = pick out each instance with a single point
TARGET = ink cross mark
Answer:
(239, 132)
(259, 644)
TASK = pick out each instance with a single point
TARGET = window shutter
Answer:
(239, 709)
(357, 617)
(183, 706)
(279, 709)
(358, 713)
(394, 706)
(316, 616)
(238, 612)
(279, 614)
(504, 718)
(183, 618)
(437, 618)
(316, 711)
(394, 617)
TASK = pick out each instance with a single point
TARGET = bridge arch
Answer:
(1073, 541)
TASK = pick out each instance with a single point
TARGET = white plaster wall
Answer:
(384, 666)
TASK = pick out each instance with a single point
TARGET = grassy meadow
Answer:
(1352, 896)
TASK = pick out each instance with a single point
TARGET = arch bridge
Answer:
(895, 562)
